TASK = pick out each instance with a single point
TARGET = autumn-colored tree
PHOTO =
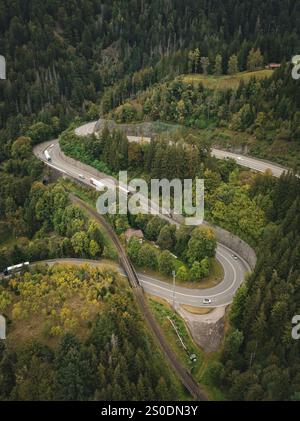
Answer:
(233, 65)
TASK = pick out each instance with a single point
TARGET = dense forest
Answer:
(61, 57)
(48, 226)
(260, 357)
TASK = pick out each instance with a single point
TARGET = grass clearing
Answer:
(84, 193)
(226, 81)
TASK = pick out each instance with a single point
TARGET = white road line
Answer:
(190, 295)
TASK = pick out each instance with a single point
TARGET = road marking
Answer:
(190, 295)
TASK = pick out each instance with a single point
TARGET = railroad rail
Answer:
(125, 262)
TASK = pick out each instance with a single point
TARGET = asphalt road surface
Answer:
(222, 294)
(252, 163)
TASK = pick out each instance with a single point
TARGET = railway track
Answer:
(125, 262)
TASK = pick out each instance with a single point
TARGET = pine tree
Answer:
(161, 390)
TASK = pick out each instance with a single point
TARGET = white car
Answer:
(234, 256)
(206, 300)
(81, 176)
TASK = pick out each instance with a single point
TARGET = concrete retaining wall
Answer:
(54, 175)
(84, 167)
(145, 129)
(79, 164)
(236, 244)
(207, 330)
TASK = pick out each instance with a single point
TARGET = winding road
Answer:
(234, 268)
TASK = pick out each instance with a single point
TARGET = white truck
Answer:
(126, 189)
(47, 155)
(15, 268)
(97, 183)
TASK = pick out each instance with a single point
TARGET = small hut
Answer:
(134, 233)
(273, 66)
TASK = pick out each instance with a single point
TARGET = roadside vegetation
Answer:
(215, 276)
(204, 367)
(194, 248)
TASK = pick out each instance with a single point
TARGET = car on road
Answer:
(47, 155)
(206, 301)
(234, 256)
(81, 176)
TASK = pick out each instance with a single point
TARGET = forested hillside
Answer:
(268, 108)
(46, 225)
(262, 113)
(62, 56)
(260, 357)
(76, 334)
